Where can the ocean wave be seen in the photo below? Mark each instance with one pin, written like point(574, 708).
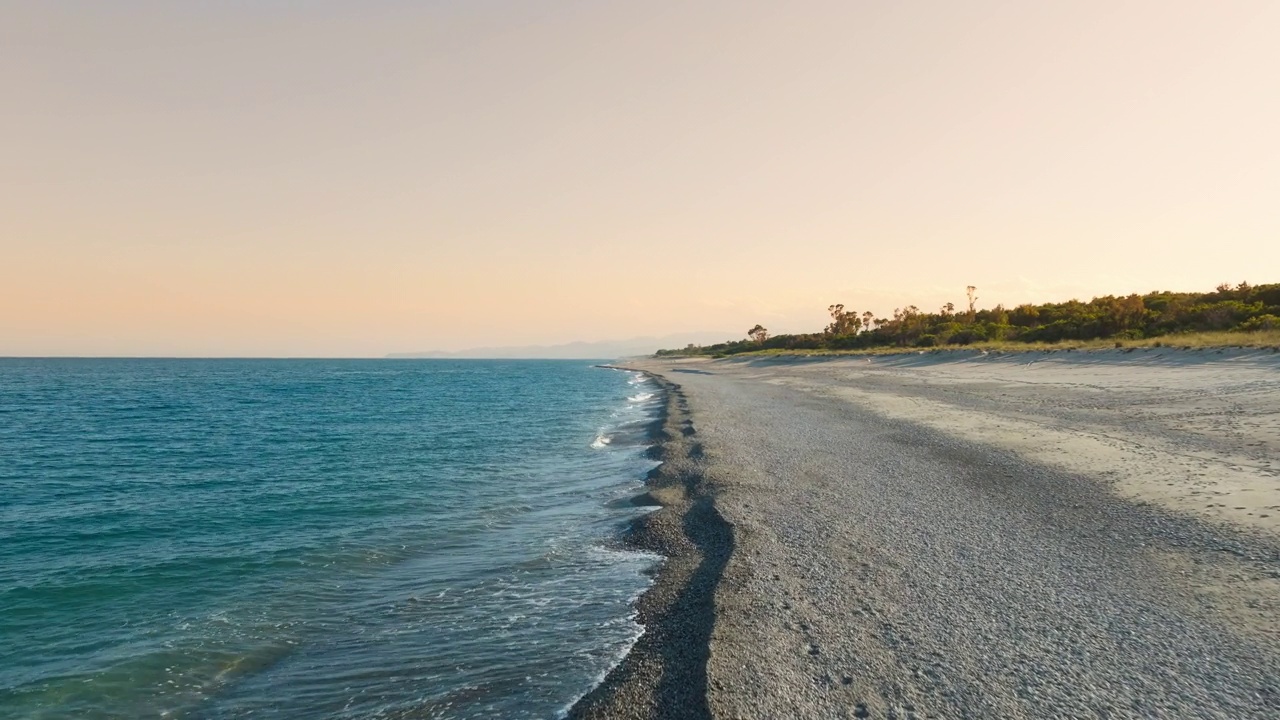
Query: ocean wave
point(614, 660)
point(602, 441)
point(640, 397)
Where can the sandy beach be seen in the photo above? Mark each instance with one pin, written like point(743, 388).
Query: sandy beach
point(957, 534)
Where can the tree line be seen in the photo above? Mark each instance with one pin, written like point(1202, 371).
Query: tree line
point(1242, 307)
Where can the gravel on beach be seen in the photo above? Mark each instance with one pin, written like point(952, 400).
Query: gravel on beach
point(828, 560)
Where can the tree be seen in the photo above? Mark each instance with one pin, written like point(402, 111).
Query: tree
point(842, 322)
point(836, 312)
point(1240, 307)
point(1127, 313)
point(907, 324)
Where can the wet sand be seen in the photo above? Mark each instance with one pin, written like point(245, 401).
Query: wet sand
point(962, 535)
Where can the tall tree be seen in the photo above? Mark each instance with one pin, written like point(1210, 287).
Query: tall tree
point(843, 322)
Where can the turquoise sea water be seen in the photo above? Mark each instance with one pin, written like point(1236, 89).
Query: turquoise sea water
point(314, 539)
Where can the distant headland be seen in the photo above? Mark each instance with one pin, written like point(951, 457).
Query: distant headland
point(604, 349)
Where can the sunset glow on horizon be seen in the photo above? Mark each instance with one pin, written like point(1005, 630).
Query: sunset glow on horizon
point(325, 179)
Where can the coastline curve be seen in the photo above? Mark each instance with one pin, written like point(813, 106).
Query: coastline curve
point(665, 673)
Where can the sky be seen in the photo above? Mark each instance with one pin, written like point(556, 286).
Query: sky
point(270, 178)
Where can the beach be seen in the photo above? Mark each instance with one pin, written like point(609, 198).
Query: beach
point(962, 534)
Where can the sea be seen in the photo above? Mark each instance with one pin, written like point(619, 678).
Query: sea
point(217, 539)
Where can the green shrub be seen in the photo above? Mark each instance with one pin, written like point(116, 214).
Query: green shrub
point(1242, 307)
point(1262, 322)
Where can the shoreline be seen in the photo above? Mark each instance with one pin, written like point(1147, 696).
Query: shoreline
point(664, 673)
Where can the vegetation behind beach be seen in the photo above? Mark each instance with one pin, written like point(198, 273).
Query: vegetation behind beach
point(1242, 315)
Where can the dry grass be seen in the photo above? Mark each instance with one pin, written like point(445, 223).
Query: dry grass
point(1259, 339)
point(1256, 339)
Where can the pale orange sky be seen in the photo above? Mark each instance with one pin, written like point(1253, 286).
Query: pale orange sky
point(352, 179)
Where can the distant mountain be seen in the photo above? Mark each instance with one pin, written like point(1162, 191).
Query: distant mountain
point(602, 350)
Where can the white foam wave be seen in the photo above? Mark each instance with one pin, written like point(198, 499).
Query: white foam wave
point(640, 397)
point(601, 441)
point(631, 621)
